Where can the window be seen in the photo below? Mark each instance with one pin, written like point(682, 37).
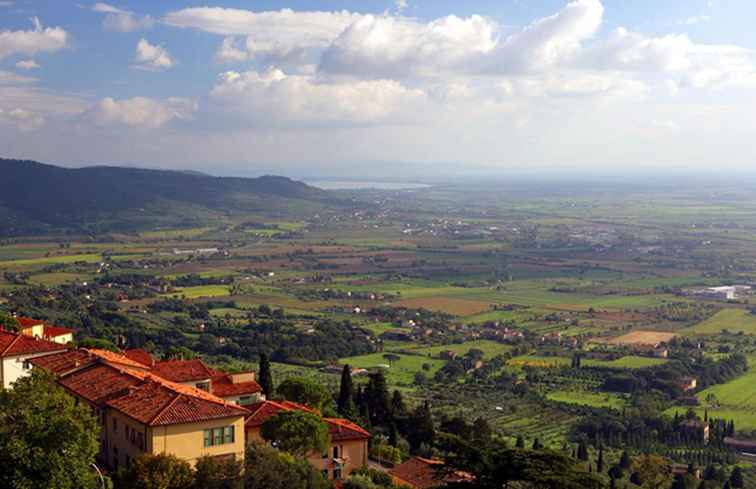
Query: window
point(140, 440)
point(126, 432)
point(218, 436)
point(205, 386)
point(337, 473)
point(115, 425)
point(335, 452)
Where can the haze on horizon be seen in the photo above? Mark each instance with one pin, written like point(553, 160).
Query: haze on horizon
point(381, 89)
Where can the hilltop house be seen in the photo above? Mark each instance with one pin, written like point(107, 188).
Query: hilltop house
point(424, 473)
point(141, 412)
point(38, 329)
point(16, 350)
point(348, 449)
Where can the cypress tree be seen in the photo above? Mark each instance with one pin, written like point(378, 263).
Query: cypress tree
point(345, 405)
point(537, 445)
point(600, 461)
point(265, 377)
point(582, 452)
point(625, 462)
point(398, 408)
point(520, 443)
point(736, 478)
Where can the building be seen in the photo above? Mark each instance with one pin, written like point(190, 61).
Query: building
point(723, 293)
point(348, 448)
point(16, 350)
point(424, 473)
point(696, 429)
point(38, 329)
point(141, 412)
point(743, 446)
point(687, 383)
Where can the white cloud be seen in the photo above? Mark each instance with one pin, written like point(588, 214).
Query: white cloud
point(696, 19)
point(22, 119)
point(140, 112)
point(10, 78)
point(274, 35)
point(152, 57)
point(401, 5)
point(40, 39)
point(274, 97)
point(27, 64)
point(120, 20)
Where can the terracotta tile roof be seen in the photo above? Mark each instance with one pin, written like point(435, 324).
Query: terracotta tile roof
point(60, 363)
point(141, 356)
point(116, 358)
point(224, 386)
point(339, 429)
point(342, 429)
point(16, 344)
point(28, 322)
point(99, 382)
point(420, 473)
point(55, 331)
point(183, 370)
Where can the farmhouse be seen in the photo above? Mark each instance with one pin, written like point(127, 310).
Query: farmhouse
point(724, 293)
point(38, 329)
point(424, 473)
point(346, 452)
point(16, 350)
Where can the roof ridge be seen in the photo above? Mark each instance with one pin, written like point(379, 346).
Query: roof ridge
point(173, 401)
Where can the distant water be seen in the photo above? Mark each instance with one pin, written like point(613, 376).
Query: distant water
point(357, 185)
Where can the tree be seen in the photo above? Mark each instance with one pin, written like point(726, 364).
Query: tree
point(537, 445)
point(653, 471)
point(420, 428)
point(156, 472)
point(265, 377)
point(376, 397)
point(46, 439)
point(625, 463)
point(345, 405)
point(391, 358)
point(218, 474)
point(268, 468)
point(615, 473)
point(481, 430)
point(582, 451)
point(600, 461)
point(297, 432)
point(736, 478)
point(398, 408)
point(304, 391)
point(8, 322)
point(520, 443)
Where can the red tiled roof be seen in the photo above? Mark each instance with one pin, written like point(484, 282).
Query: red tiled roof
point(117, 358)
point(183, 370)
point(60, 363)
point(342, 429)
point(99, 382)
point(16, 344)
point(421, 473)
point(55, 331)
point(28, 322)
point(339, 429)
point(141, 356)
point(224, 386)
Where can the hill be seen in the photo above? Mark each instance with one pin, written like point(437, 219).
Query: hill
point(36, 197)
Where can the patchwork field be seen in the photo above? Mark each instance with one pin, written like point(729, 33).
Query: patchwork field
point(587, 398)
point(628, 362)
point(450, 305)
point(642, 338)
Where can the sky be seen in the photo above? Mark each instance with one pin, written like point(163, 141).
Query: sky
point(391, 89)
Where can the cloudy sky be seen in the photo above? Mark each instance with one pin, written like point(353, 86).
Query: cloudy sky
point(381, 88)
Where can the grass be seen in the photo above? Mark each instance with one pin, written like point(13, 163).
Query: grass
point(400, 372)
point(489, 348)
point(202, 291)
point(586, 398)
point(733, 320)
point(735, 400)
point(51, 260)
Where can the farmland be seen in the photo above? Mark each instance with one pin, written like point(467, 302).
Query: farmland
point(531, 311)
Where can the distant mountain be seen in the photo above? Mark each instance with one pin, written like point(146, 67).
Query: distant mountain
point(36, 197)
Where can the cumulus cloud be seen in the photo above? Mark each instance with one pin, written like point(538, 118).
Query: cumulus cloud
point(38, 40)
point(152, 57)
point(275, 35)
point(27, 64)
point(696, 19)
point(140, 112)
point(120, 20)
point(273, 97)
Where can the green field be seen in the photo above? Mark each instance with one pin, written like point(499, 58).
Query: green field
point(736, 400)
point(489, 348)
point(202, 291)
point(51, 260)
point(627, 362)
point(732, 320)
point(587, 398)
point(402, 371)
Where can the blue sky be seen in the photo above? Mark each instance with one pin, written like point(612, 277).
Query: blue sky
point(373, 88)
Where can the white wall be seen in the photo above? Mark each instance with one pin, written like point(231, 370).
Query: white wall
point(13, 367)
